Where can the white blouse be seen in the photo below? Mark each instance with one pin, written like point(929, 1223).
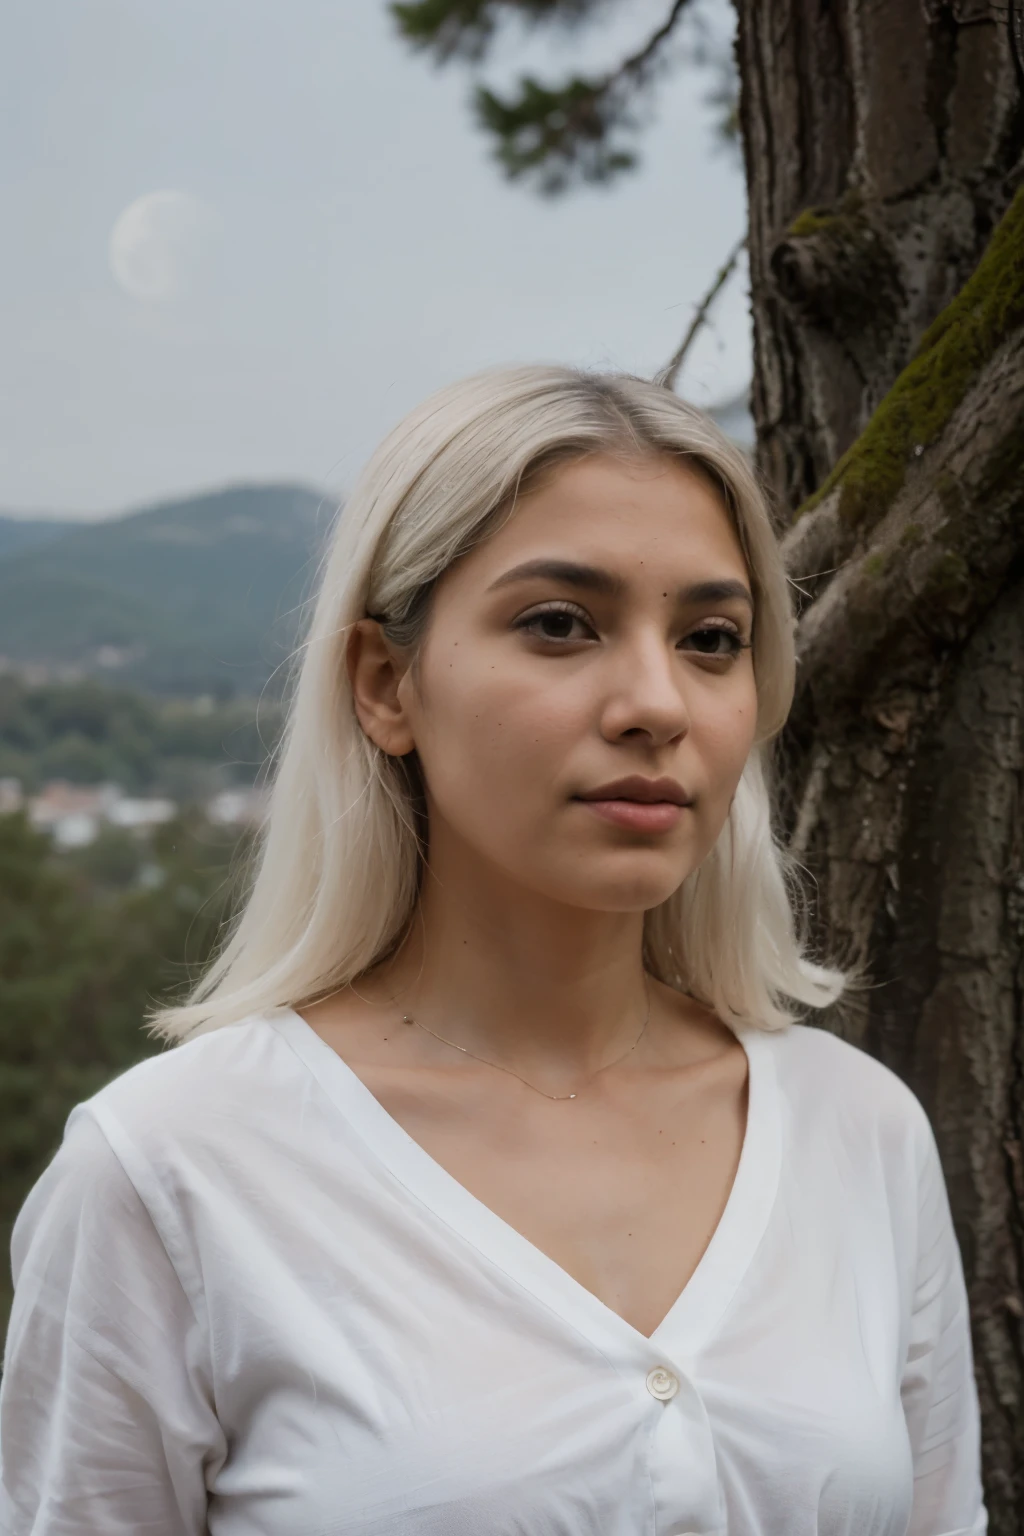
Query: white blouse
point(248, 1303)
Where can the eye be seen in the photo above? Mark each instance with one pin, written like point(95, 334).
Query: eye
point(716, 641)
point(555, 622)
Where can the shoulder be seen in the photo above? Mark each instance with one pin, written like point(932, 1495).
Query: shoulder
point(217, 1073)
point(828, 1082)
point(810, 1056)
point(147, 1149)
point(854, 1130)
point(160, 1127)
point(187, 1104)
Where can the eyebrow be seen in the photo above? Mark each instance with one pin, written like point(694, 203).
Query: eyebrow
point(591, 578)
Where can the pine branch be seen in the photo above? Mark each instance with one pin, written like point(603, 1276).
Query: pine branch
point(670, 372)
point(568, 132)
point(464, 28)
point(639, 61)
point(572, 130)
point(557, 134)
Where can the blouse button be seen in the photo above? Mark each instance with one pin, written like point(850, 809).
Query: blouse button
point(662, 1384)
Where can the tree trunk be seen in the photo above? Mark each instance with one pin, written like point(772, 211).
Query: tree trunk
point(883, 142)
point(881, 137)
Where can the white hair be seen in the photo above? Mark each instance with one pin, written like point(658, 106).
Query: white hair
point(335, 877)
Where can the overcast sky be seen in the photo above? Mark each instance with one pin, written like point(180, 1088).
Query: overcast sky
point(337, 245)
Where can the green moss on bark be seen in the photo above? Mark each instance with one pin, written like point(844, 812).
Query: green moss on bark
point(951, 353)
point(834, 266)
point(839, 223)
point(814, 221)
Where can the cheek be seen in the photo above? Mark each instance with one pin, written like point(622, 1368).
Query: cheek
point(490, 736)
point(726, 735)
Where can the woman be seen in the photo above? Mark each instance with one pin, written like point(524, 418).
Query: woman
point(492, 1187)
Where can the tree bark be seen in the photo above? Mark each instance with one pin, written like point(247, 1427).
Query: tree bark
point(881, 139)
point(883, 142)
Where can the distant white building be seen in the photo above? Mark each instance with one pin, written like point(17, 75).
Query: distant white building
point(77, 829)
point(140, 813)
point(73, 813)
point(237, 807)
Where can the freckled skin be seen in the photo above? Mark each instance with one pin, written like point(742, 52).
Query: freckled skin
point(526, 945)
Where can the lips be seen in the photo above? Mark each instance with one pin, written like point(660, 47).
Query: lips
point(637, 804)
point(641, 791)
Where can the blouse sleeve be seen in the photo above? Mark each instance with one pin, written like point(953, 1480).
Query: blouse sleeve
point(940, 1399)
point(106, 1417)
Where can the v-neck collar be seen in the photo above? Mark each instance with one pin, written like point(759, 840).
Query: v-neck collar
point(691, 1320)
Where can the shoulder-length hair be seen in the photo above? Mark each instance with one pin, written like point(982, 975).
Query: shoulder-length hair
point(335, 876)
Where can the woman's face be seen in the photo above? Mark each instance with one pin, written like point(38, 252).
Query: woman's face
point(601, 634)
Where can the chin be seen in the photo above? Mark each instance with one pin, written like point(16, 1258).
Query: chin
point(633, 900)
point(621, 891)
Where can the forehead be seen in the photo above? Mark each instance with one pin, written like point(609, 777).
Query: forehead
point(655, 510)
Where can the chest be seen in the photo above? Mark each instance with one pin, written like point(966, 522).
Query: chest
point(438, 1378)
point(392, 1356)
point(623, 1192)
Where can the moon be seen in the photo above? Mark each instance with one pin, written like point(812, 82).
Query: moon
point(159, 246)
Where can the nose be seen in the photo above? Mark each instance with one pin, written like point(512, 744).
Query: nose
point(645, 692)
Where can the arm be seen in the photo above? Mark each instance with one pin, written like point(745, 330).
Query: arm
point(938, 1390)
point(107, 1426)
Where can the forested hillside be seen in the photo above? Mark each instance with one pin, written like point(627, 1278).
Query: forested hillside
point(188, 597)
point(18, 534)
point(92, 934)
point(90, 734)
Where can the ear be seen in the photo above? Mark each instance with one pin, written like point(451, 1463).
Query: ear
point(375, 672)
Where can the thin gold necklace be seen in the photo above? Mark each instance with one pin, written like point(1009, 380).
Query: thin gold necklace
point(557, 1097)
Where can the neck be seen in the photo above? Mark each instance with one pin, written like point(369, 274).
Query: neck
point(509, 975)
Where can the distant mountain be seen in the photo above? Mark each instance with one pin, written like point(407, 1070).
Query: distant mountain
point(188, 597)
point(19, 533)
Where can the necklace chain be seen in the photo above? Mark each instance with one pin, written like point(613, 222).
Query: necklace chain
point(557, 1097)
